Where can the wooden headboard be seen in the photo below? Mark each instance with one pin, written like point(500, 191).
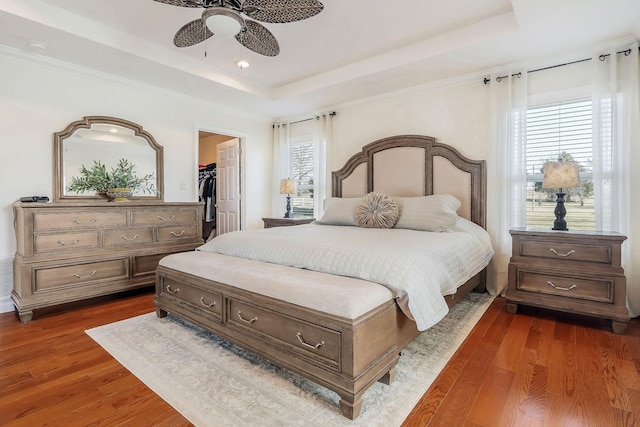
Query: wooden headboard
point(415, 165)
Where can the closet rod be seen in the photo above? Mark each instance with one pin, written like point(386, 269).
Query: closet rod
point(331, 114)
point(602, 57)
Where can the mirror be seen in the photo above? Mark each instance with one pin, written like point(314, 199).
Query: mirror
point(107, 140)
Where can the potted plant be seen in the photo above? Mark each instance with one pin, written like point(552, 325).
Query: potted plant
point(118, 183)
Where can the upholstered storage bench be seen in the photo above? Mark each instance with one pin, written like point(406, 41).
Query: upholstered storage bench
point(336, 331)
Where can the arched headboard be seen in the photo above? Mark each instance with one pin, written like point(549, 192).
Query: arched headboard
point(415, 165)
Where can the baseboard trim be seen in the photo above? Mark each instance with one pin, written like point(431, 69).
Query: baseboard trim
point(6, 305)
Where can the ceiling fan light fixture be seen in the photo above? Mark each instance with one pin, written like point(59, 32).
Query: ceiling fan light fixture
point(222, 22)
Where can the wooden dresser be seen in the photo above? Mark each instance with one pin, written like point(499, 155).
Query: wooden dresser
point(570, 271)
point(73, 251)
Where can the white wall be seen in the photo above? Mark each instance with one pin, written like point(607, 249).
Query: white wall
point(458, 116)
point(38, 99)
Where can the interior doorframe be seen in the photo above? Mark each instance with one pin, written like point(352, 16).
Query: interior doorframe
point(242, 176)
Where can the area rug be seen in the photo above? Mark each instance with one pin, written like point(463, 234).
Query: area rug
point(212, 382)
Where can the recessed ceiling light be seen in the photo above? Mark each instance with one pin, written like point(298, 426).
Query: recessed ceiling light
point(242, 64)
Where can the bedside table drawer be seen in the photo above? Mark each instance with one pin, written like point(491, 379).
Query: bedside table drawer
point(593, 289)
point(577, 272)
point(599, 253)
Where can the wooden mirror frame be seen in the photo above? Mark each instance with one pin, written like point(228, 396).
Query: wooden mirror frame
point(86, 123)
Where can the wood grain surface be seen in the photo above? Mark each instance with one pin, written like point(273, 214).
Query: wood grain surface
point(535, 368)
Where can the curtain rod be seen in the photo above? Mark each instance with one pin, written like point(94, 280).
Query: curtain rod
point(602, 57)
point(330, 114)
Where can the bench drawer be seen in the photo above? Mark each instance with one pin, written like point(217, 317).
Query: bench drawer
point(306, 339)
point(206, 301)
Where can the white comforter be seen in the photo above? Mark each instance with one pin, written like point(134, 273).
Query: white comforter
point(423, 265)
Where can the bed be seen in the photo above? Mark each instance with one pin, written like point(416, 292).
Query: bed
point(338, 299)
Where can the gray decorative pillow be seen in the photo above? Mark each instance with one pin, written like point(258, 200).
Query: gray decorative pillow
point(376, 210)
point(339, 211)
point(428, 213)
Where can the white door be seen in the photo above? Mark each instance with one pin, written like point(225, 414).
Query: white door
point(228, 187)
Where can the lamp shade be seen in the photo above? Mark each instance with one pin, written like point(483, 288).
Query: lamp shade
point(287, 186)
point(561, 175)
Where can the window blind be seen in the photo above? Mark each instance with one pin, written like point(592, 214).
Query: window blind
point(560, 130)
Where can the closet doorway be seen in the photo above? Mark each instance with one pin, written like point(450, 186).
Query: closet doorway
point(219, 182)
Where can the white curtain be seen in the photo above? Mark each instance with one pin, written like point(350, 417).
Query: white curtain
point(322, 130)
point(323, 134)
point(615, 130)
point(280, 166)
point(506, 175)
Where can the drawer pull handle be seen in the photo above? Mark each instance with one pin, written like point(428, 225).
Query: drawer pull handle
point(560, 288)
point(62, 242)
point(567, 254)
point(315, 347)
point(77, 276)
point(253, 319)
point(171, 291)
point(205, 304)
point(161, 218)
point(177, 234)
point(77, 221)
point(135, 236)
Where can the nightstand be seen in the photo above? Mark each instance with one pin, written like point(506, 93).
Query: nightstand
point(570, 271)
point(284, 222)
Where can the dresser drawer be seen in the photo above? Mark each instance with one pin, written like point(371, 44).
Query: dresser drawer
point(146, 264)
point(209, 302)
point(164, 216)
point(128, 236)
point(66, 241)
point(176, 232)
point(306, 339)
point(598, 253)
point(78, 219)
point(81, 274)
point(591, 289)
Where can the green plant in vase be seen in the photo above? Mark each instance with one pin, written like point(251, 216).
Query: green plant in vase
point(118, 183)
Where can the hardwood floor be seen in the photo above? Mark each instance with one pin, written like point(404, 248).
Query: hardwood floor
point(535, 368)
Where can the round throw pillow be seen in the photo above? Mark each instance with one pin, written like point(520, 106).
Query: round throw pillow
point(376, 210)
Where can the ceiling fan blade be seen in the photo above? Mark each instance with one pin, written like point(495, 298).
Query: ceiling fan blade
point(185, 3)
point(192, 33)
point(258, 39)
point(281, 11)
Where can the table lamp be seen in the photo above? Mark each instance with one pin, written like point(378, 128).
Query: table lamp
point(561, 175)
point(288, 187)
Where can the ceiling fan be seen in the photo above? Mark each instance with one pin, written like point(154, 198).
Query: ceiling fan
point(225, 17)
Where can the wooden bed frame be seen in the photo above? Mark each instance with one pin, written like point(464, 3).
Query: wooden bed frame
point(346, 355)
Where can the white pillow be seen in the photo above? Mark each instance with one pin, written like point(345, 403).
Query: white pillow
point(339, 211)
point(428, 213)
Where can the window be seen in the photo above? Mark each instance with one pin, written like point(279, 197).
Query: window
point(560, 130)
point(303, 156)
